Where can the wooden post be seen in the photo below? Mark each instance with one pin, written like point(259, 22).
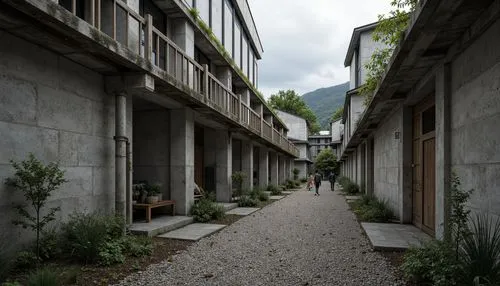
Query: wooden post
point(205, 82)
point(148, 34)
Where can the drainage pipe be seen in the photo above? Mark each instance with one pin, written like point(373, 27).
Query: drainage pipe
point(120, 154)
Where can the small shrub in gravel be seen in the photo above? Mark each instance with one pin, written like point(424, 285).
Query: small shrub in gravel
point(259, 194)
point(371, 209)
point(351, 188)
point(205, 210)
point(43, 277)
point(289, 184)
point(275, 191)
point(247, 201)
point(137, 246)
point(111, 253)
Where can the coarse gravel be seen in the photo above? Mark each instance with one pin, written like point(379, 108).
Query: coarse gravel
point(299, 240)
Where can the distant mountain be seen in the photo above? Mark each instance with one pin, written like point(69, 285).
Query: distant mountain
point(325, 101)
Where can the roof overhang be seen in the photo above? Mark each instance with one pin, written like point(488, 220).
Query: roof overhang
point(354, 44)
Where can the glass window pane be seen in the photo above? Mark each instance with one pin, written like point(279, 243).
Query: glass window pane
point(428, 120)
point(251, 66)
point(217, 18)
point(244, 55)
point(204, 8)
point(237, 42)
point(228, 28)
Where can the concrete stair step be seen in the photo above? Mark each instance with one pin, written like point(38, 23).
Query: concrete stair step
point(229, 206)
point(193, 232)
point(160, 225)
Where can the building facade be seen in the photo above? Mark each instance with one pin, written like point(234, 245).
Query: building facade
point(319, 142)
point(337, 132)
point(434, 115)
point(124, 91)
point(298, 135)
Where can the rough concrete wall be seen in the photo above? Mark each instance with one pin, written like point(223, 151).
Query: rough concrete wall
point(352, 72)
point(59, 111)
point(356, 109)
point(367, 47)
point(152, 148)
point(336, 130)
point(297, 126)
point(303, 150)
point(475, 113)
point(387, 163)
point(302, 167)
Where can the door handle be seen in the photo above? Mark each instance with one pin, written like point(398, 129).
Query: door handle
point(413, 165)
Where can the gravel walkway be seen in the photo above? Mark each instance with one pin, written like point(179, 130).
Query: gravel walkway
point(300, 240)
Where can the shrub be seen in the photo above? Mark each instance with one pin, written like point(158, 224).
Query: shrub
point(296, 173)
point(351, 188)
point(343, 181)
point(6, 263)
point(137, 246)
point(258, 194)
point(289, 184)
point(480, 251)
point(205, 210)
point(49, 245)
point(433, 263)
point(371, 209)
point(111, 253)
point(247, 201)
point(10, 283)
point(303, 180)
point(263, 197)
point(296, 183)
point(211, 196)
point(238, 178)
point(43, 277)
point(26, 259)
point(84, 234)
point(275, 191)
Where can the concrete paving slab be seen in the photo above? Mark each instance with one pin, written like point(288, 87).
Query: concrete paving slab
point(160, 225)
point(275, 198)
point(287, 193)
point(229, 206)
point(352, 198)
point(193, 232)
point(242, 211)
point(393, 237)
point(268, 193)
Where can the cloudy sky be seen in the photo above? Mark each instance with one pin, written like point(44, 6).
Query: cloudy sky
point(305, 42)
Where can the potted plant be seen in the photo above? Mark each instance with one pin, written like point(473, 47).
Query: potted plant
point(153, 191)
point(139, 193)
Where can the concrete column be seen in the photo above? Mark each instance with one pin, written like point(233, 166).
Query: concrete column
point(443, 149)
point(247, 164)
point(224, 75)
point(369, 166)
point(263, 167)
point(281, 170)
point(224, 165)
point(182, 159)
point(406, 201)
point(274, 168)
point(183, 35)
point(120, 154)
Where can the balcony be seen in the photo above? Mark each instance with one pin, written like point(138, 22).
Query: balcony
point(127, 34)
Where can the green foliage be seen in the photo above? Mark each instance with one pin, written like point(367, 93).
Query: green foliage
point(258, 194)
point(10, 283)
point(137, 246)
point(351, 188)
point(205, 210)
point(275, 191)
point(371, 209)
point(211, 196)
point(37, 182)
point(296, 173)
point(480, 251)
point(326, 161)
point(247, 201)
point(153, 190)
point(343, 181)
point(303, 180)
point(338, 113)
point(389, 32)
point(49, 244)
point(459, 213)
point(26, 259)
point(289, 101)
point(289, 184)
point(84, 234)
point(432, 264)
point(43, 277)
point(238, 178)
point(110, 252)
point(324, 100)
point(6, 261)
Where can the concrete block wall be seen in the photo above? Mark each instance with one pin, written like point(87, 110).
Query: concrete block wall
point(151, 148)
point(302, 167)
point(387, 161)
point(367, 47)
point(475, 114)
point(57, 110)
point(297, 126)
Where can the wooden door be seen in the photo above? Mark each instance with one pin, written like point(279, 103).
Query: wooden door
point(424, 166)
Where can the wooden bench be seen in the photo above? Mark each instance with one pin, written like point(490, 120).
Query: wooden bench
point(159, 204)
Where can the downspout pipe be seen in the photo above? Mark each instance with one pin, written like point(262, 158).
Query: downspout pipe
point(120, 154)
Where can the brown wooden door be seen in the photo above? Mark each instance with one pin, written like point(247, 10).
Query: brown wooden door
point(424, 166)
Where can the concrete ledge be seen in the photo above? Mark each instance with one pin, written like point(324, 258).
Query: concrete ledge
point(160, 225)
point(229, 206)
point(394, 237)
point(193, 232)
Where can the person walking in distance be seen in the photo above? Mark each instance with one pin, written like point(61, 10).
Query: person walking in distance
point(317, 182)
point(331, 178)
point(310, 182)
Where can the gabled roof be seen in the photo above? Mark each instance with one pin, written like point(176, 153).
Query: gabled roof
point(354, 44)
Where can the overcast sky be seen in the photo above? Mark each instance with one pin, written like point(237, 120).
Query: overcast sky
point(305, 41)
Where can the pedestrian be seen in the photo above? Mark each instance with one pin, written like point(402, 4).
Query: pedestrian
point(331, 178)
point(310, 182)
point(317, 182)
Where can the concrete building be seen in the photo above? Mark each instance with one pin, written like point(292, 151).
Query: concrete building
point(298, 136)
point(319, 142)
point(123, 91)
point(337, 133)
point(435, 111)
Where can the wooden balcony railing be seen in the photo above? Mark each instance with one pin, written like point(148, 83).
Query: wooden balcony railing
point(138, 34)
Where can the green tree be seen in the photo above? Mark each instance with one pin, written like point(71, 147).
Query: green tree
point(289, 101)
point(37, 182)
point(389, 32)
point(338, 113)
point(326, 161)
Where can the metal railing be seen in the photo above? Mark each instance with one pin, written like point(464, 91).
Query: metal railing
point(137, 33)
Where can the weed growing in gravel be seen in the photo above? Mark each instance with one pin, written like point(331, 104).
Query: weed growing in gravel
point(371, 209)
point(205, 210)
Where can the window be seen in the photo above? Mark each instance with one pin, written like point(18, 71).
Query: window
point(228, 27)
point(251, 58)
point(237, 42)
point(204, 8)
point(428, 120)
point(244, 55)
point(216, 20)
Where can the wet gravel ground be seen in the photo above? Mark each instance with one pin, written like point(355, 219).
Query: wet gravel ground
point(300, 240)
